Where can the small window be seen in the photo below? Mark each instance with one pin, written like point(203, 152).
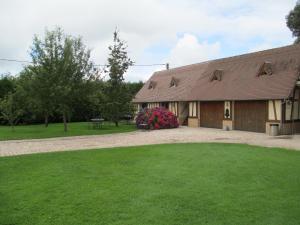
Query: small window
point(174, 82)
point(152, 85)
point(217, 75)
point(265, 69)
point(192, 109)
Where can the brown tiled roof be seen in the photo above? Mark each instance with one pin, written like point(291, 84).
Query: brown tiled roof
point(240, 80)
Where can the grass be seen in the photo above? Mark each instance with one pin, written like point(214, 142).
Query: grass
point(56, 130)
point(162, 184)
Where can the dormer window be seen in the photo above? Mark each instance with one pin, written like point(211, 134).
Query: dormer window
point(152, 85)
point(174, 82)
point(265, 69)
point(217, 75)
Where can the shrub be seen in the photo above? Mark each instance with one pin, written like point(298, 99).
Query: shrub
point(156, 118)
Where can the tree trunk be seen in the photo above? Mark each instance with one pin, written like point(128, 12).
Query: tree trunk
point(46, 120)
point(117, 123)
point(65, 122)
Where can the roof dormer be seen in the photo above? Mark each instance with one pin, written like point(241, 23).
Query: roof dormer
point(265, 69)
point(217, 75)
point(174, 82)
point(152, 85)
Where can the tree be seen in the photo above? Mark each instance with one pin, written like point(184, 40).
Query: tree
point(38, 82)
point(293, 21)
point(118, 102)
point(29, 97)
point(91, 104)
point(61, 69)
point(134, 87)
point(10, 110)
point(7, 85)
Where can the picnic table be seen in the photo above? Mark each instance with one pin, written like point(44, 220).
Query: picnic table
point(97, 123)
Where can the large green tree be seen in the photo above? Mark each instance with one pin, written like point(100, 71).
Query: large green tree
point(62, 68)
point(293, 22)
point(118, 102)
point(7, 85)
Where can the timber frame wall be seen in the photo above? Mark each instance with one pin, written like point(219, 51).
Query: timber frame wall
point(276, 113)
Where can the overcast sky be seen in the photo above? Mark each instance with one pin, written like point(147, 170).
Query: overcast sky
point(157, 31)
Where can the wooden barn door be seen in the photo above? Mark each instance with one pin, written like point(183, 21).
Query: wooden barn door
point(211, 114)
point(250, 116)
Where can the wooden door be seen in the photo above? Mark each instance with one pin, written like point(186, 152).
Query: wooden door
point(211, 114)
point(250, 116)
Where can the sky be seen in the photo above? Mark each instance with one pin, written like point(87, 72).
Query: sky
point(156, 31)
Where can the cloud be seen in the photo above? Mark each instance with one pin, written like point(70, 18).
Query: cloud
point(145, 24)
point(189, 50)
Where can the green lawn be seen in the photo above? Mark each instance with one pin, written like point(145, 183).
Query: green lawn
point(57, 130)
point(153, 185)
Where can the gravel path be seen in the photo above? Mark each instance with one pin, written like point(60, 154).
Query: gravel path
point(180, 135)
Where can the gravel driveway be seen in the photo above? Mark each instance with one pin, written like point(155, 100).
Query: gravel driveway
point(180, 135)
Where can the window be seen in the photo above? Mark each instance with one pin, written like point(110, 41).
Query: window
point(265, 69)
point(192, 109)
point(227, 110)
point(152, 85)
point(174, 82)
point(217, 75)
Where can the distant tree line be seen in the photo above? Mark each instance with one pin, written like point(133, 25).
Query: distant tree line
point(63, 84)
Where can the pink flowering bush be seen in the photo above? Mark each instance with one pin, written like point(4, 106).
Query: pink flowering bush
point(156, 118)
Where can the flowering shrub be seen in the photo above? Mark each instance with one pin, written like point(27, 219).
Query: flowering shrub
point(156, 118)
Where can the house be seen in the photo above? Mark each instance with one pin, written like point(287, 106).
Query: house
point(248, 92)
